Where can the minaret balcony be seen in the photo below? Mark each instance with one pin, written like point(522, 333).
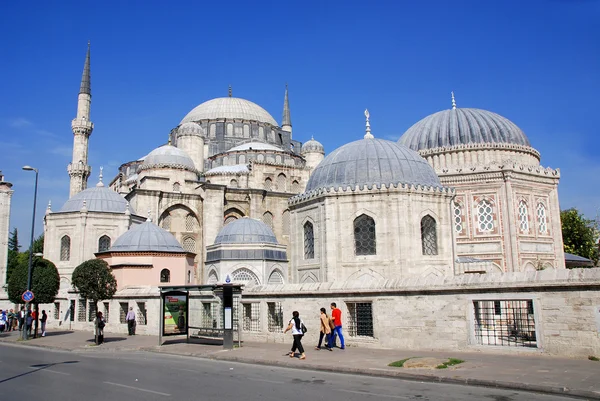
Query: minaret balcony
point(82, 125)
point(79, 169)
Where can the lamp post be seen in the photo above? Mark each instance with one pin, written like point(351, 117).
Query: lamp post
point(29, 168)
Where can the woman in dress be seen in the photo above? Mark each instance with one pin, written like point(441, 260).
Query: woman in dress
point(296, 325)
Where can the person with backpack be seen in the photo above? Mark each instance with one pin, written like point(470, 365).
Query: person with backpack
point(99, 324)
point(298, 329)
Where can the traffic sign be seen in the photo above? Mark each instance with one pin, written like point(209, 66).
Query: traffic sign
point(27, 296)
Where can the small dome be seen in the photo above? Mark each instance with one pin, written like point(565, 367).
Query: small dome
point(229, 108)
point(460, 126)
point(312, 146)
point(168, 156)
point(147, 237)
point(97, 199)
point(189, 128)
point(246, 231)
point(372, 162)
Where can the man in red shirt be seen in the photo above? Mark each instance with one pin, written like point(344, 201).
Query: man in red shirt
point(336, 316)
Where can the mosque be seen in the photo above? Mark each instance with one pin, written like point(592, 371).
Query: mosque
point(233, 196)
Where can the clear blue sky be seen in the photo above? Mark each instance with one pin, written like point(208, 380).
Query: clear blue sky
point(536, 62)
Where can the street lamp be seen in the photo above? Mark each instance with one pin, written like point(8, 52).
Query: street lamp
point(29, 168)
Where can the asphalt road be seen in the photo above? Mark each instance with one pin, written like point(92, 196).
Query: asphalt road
point(28, 373)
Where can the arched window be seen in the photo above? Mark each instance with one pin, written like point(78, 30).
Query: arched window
point(166, 222)
point(295, 187)
point(485, 216)
point(281, 179)
point(229, 219)
point(104, 243)
point(165, 276)
point(245, 276)
point(268, 184)
point(65, 248)
point(458, 223)
point(542, 219)
point(213, 278)
point(189, 244)
point(268, 219)
point(276, 278)
point(364, 235)
point(309, 241)
point(523, 217)
point(176, 187)
point(190, 223)
point(428, 236)
point(285, 222)
point(233, 184)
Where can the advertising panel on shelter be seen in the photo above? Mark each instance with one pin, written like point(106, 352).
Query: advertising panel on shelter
point(175, 313)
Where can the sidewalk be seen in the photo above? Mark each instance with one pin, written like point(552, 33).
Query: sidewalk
point(521, 371)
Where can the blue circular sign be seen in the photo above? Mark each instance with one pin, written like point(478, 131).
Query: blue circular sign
point(27, 296)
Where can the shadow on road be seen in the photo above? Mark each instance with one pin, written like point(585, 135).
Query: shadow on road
point(108, 339)
point(37, 368)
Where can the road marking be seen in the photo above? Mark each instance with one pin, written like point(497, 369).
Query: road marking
point(185, 370)
point(138, 389)
point(49, 371)
point(263, 380)
point(374, 394)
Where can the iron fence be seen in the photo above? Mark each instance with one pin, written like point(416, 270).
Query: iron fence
point(508, 323)
point(360, 319)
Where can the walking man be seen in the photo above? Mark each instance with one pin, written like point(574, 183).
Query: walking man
point(336, 316)
point(130, 318)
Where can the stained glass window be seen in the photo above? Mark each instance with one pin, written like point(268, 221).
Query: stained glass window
point(429, 236)
point(364, 235)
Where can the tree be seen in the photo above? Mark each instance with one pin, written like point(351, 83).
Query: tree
point(45, 281)
point(13, 253)
point(13, 241)
point(94, 281)
point(38, 244)
point(579, 234)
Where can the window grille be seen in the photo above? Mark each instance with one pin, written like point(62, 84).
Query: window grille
point(190, 223)
point(72, 311)
point(360, 319)
point(57, 311)
point(91, 312)
point(81, 311)
point(268, 184)
point(485, 216)
point(176, 187)
point(458, 223)
point(189, 244)
point(364, 235)
point(65, 248)
point(166, 222)
point(309, 241)
point(251, 317)
point(233, 184)
point(276, 278)
point(209, 313)
point(523, 217)
point(429, 236)
point(142, 315)
point(285, 222)
point(281, 179)
point(213, 278)
point(508, 323)
point(106, 311)
point(123, 309)
point(275, 323)
point(104, 243)
point(295, 187)
point(268, 219)
point(542, 221)
point(244, 275)
point(165, 276)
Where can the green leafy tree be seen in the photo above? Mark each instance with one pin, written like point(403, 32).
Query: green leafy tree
point(579, 234)
point(38, 244)
point(94, 281)
point(13, 253)
point(13, 241)
point(45, 281)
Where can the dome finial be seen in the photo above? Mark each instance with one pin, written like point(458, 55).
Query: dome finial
point(453, 101)
point(100, 183)
point(368, 135)
point(230, 91)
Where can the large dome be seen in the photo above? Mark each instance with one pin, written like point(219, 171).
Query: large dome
point(146, 237)
point(229, 108)
point(372, 162)
point(97, 199)
point(459, 126)
point(246, 231)
point(168, 156)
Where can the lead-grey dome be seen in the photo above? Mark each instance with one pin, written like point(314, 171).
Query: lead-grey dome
point(97, 199)
point(147, 237)
point(372, 162)
point(230, 108)
point(460, 126)
point(246, 231)
point(189, 128)
point(168, 156)
point(312, 146)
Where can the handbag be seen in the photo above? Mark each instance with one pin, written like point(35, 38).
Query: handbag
point(303, 328)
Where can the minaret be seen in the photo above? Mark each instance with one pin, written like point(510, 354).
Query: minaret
point(82, 127)
point(5, 196)
point(286, 121)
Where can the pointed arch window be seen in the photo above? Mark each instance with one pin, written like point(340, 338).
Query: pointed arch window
point(276, 278)
point(281, 180)
point(285, 222)
point(458, 222)
point(176, 187)
point(189, 244)
point(166, 222)
point(104, 243)
point(233, 184)
point(309, 241)
point(229, 219)
point(523, 217)
point(190, 223)
point(165, 276)
point(213, 278)
point(65, 248)
point(268, 219)
point(295, 187)
point(364, 236)
point(485, 216)
point(268, 184)
point(244, 275)
point(542, 218)
point(429, 236)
